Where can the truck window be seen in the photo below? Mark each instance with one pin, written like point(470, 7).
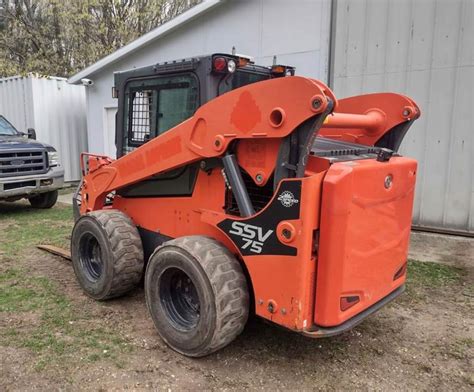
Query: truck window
point(6, 129)
point(154, 106)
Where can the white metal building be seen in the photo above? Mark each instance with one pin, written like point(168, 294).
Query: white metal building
point(55, 109)
point(421, 48)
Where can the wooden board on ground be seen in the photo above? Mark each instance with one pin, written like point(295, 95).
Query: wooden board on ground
point(65, 253)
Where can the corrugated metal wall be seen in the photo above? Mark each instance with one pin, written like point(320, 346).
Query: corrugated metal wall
point(60, 120)
point(423, 49)
point(16, 102)
point(57, 111)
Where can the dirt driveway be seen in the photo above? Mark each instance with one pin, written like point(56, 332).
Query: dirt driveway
point(54, 338)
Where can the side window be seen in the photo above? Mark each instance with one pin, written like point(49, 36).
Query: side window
point(154, 106)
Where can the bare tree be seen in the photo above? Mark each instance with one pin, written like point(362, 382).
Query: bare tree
point(57, 37)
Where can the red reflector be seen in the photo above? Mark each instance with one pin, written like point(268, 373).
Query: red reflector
point(400, 272)
point(220, 64)
point(348, 302)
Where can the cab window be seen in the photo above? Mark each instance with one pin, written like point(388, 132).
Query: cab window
point(241, 78)
point(154, 106)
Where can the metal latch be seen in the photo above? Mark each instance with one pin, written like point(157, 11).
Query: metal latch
point(384, 155)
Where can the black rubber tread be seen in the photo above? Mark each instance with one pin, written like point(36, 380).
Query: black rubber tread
point(125, 251)
point(229, 287)
point(44, 200)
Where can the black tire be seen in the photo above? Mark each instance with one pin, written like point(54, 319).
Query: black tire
point(44, 200)
point(107, 254)
point(197, 295)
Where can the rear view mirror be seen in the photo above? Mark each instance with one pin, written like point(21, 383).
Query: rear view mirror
point(31, 133)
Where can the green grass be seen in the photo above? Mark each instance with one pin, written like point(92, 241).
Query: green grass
point(21, 293)
point(59, 331)
point(460, 347)
point(429, 274)
point(24, 227)
point(423, 276)
point(56, 330)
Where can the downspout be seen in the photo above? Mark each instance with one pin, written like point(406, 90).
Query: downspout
point(332, 43)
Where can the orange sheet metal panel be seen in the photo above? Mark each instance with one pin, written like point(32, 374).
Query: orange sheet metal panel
point(287, 282)
point(365, 228)
point(283, 286)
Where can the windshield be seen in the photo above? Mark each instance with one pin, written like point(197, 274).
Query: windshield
point(6, 129)
point(241, 78)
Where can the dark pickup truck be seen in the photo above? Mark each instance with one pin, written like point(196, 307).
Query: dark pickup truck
point(28, 168)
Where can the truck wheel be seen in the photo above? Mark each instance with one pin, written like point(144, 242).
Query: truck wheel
point(197, 295)
point(107, 254)
point(44, 200)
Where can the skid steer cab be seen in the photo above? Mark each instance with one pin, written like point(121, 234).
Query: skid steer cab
point(240, 188)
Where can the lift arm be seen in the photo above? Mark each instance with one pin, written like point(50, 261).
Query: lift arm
point(372, 119)
point(270, 109)
point(274, 109)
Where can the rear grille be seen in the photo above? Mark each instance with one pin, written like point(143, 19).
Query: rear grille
point(22, 162)
point(259, 195)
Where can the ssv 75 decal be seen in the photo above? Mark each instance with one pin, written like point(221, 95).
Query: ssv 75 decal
point(252, 236)
point(257, 235)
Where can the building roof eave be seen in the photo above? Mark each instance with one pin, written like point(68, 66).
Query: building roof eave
point(152, 35)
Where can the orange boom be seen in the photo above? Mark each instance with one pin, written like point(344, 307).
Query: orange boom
point(245, 188)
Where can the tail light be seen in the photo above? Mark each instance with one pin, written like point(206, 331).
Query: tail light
point(219, 64)
point(223, 65)
point(349, 302)
point(401, 271)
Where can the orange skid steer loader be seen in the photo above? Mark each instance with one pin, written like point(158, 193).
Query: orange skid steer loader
point(244, 188)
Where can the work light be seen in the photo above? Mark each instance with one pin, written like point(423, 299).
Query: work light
point(231, 66)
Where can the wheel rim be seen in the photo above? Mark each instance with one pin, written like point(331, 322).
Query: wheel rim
point(179, 298)
point(91, 257)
